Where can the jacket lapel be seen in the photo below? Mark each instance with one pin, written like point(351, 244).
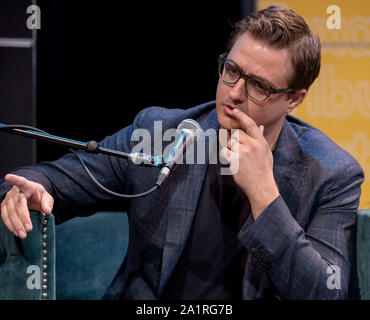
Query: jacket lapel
point(290, 167)
point(180, 217)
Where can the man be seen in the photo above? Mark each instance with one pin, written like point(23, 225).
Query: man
point(272, 230)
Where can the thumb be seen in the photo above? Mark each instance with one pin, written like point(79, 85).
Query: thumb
point(262, 128)
point(47, 203)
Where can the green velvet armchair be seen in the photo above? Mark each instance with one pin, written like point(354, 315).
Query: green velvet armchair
point(79, 258)
point(74, 260)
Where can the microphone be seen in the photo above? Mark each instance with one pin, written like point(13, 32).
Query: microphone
point(187, 132)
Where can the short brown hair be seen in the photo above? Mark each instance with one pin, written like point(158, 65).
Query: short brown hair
point(282, 28)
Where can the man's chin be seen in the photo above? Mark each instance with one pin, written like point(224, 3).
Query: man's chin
point(228, 123)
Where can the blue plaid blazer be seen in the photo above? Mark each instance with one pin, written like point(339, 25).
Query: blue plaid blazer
point(291, 246)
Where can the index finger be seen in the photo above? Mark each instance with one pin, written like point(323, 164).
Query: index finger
point(247, 124)
point(22, 183)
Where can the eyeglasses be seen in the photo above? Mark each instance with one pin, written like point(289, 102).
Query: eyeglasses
point(230, 74)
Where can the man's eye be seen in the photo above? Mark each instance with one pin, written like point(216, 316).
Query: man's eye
point(260, 86)
point(232, 70)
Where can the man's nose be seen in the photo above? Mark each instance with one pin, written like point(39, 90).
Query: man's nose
point(237, 91)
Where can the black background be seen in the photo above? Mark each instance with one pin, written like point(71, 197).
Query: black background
point(17, 86)
point(100, 62)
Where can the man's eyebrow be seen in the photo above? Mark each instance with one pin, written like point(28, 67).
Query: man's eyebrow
point(253, 75)
point(261, 79)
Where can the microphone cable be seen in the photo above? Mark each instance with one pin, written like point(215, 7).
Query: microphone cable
point(106, 189)
point(96, 182)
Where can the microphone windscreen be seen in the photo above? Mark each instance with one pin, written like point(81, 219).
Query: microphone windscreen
point(188, 124)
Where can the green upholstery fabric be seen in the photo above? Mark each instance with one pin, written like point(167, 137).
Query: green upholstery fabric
point(363, 253)
point(21, 264)
point(80, 264)
point(89, 252)
point(84, 254)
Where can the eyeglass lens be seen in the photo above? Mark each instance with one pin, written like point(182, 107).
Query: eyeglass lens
point(230, 74)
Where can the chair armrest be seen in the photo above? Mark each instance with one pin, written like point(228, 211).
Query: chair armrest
point(27, 266)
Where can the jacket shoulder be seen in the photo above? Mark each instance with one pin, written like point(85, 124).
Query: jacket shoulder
point(171, 117)
point(319, 147)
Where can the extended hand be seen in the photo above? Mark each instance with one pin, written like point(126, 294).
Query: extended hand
point(25, 195)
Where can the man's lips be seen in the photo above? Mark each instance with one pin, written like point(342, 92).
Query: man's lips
point(229, 109)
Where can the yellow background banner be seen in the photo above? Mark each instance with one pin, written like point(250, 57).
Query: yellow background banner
point(338, 103)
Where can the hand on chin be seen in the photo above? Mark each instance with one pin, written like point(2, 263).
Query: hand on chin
point(229, 123)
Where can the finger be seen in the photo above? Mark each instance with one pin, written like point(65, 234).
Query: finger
point(228, 135)
point(23, 212)
point(228, 155)
point(15, 220)
point(240, 136)
point(225, 153)
point(6, 220)
point(234, 144)
point(229, 143)
point(262, 129)
point(47, 203)
point(22, 183)
point(223, 135)
point(237, 136)
point(247, 124)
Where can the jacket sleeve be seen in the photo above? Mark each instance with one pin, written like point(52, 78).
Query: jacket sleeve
point(314, 262)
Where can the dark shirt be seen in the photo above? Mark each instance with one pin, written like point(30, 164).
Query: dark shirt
point(211, 265)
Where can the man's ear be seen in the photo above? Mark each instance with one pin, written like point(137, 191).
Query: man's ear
point(296, 99)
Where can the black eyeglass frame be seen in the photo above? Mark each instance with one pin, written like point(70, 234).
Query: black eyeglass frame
point(272, 90)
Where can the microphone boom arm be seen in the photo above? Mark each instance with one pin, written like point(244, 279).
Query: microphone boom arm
point(91, 146)
point(185, 138)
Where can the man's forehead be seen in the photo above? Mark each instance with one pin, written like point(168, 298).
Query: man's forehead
point(257, 58)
